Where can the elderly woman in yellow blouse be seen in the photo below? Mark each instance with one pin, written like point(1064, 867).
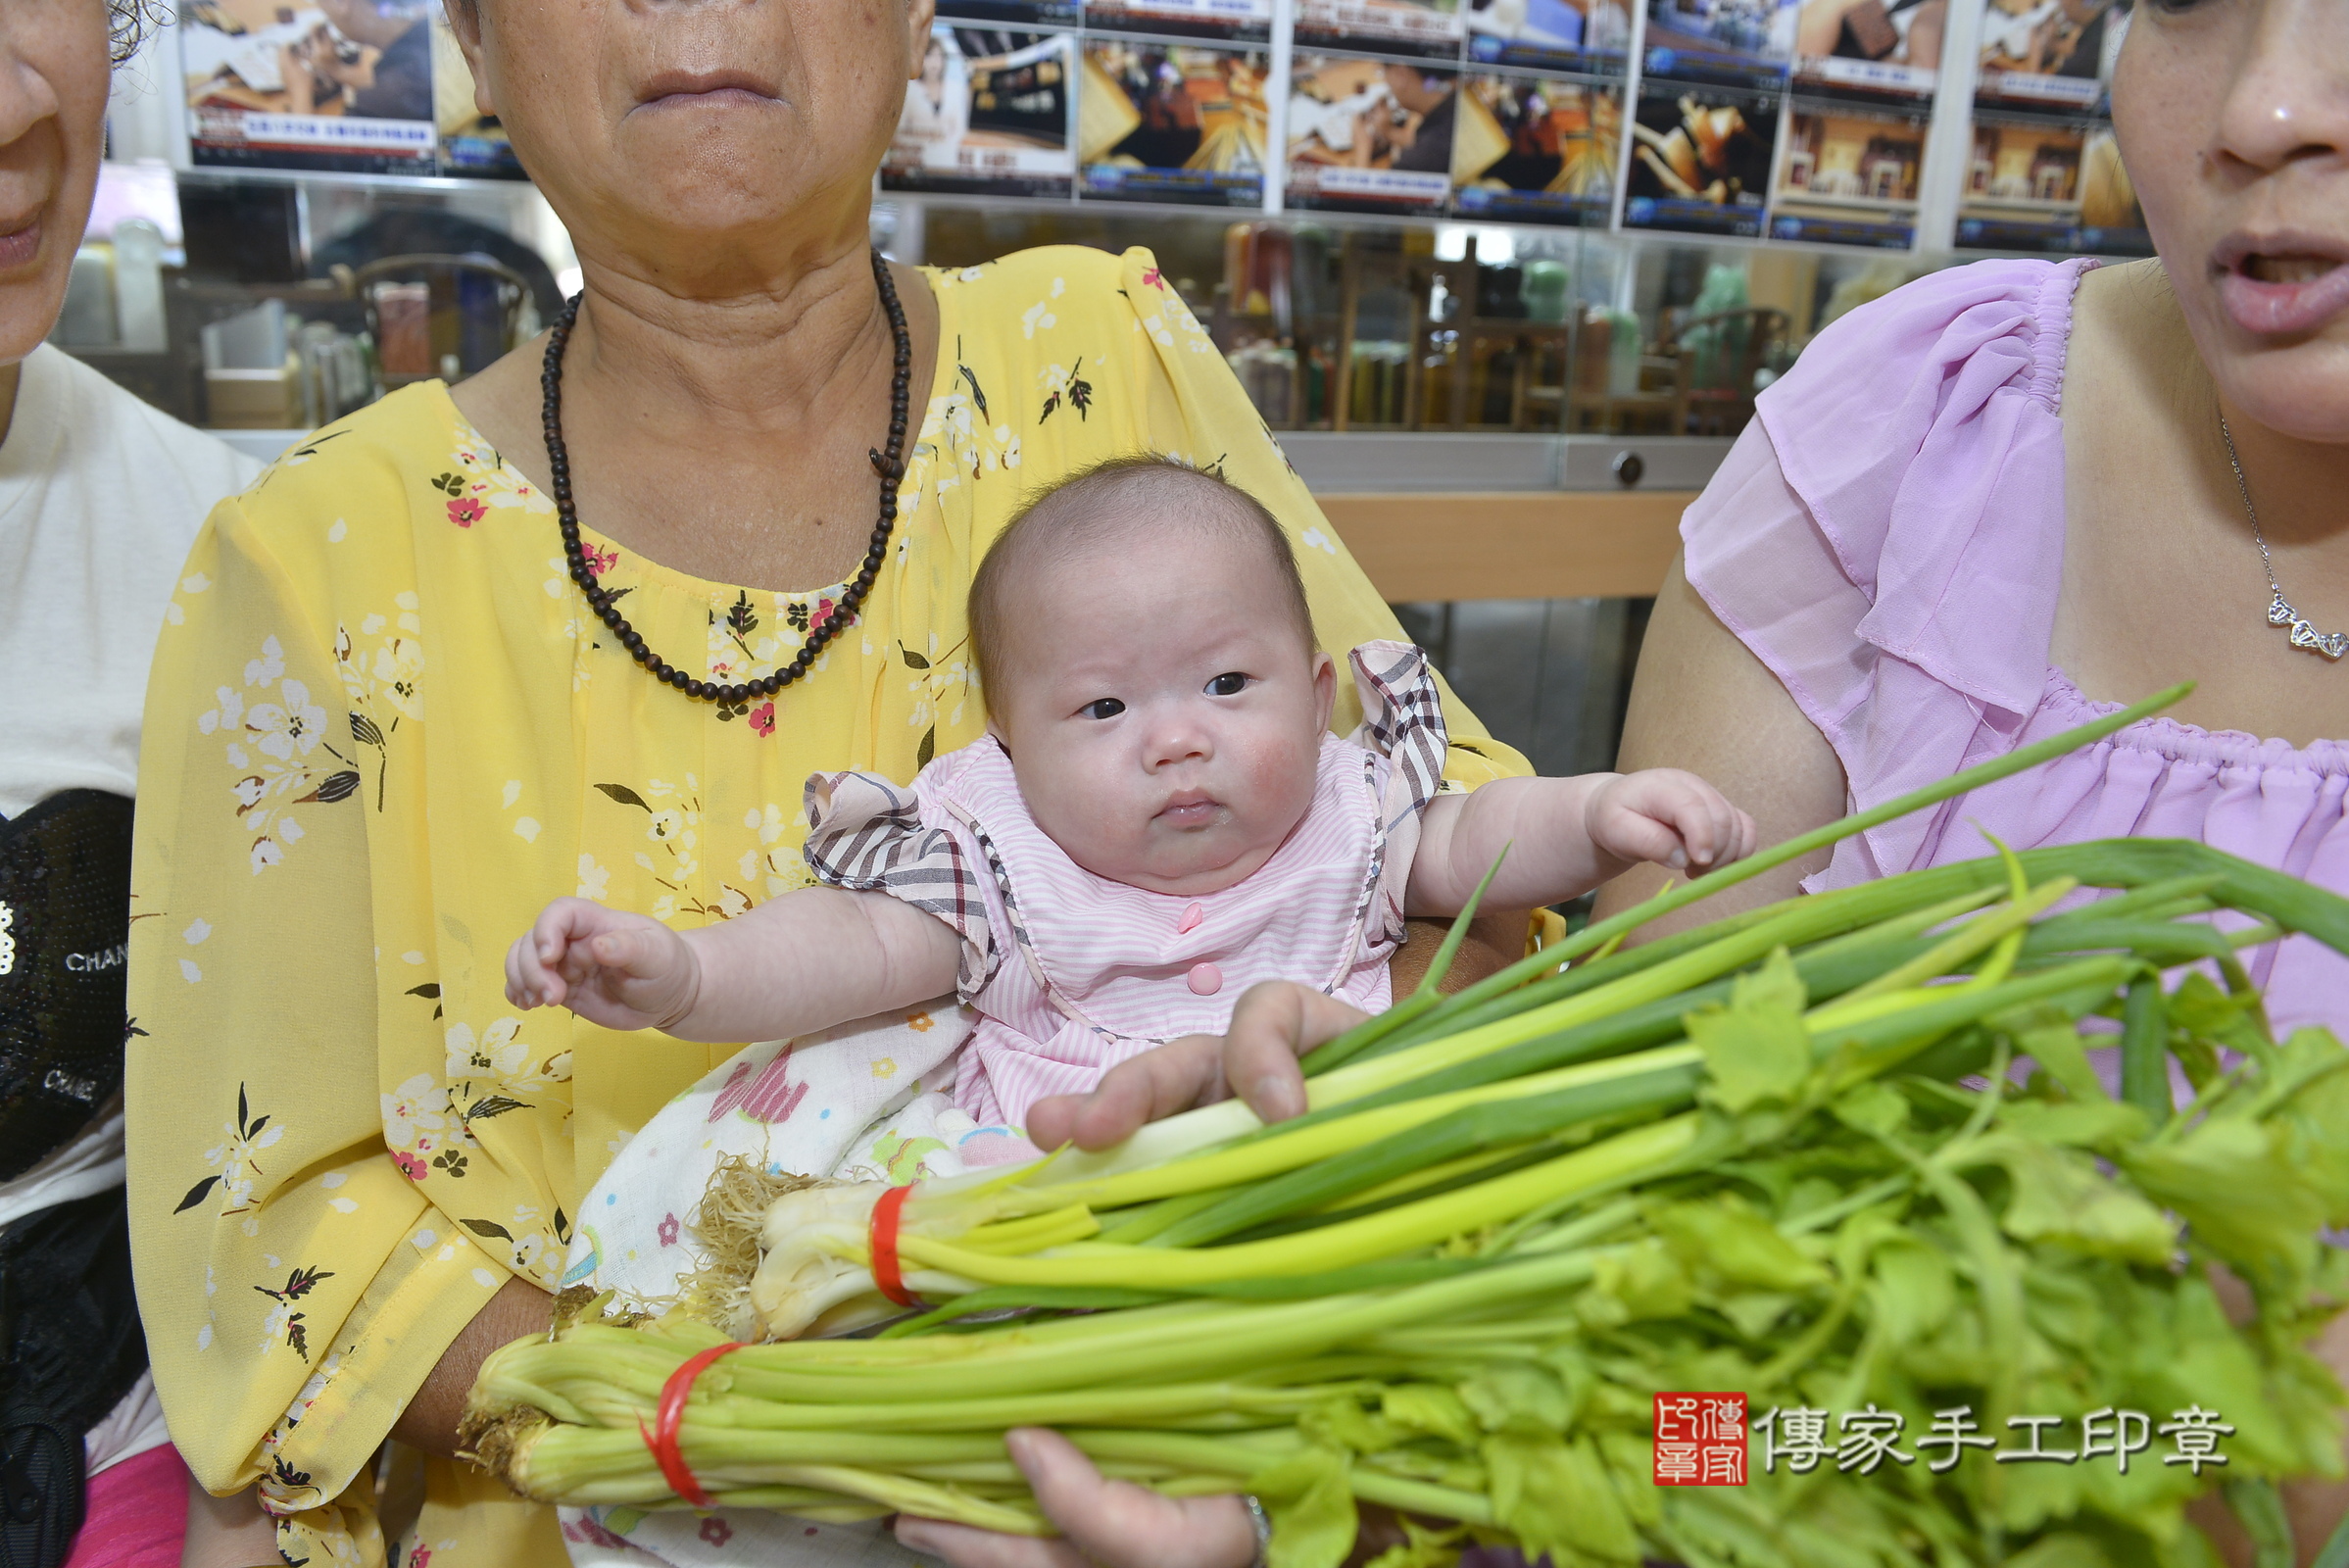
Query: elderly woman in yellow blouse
point(583, 626)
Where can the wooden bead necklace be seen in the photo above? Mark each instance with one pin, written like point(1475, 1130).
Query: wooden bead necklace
point(890, 467)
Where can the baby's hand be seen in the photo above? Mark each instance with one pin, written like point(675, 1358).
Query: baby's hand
point(1668, 817)
point(622, 972)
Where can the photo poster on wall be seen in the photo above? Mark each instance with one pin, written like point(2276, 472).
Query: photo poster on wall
point(1172, 123)
point(1536, 149)
point(2111, 222)
point(1728, 43)
point(1849, 174)
point(2044, 171)
point(1014, 13)
point(1590, 37)
point(1371, 136)
point(1701, 159)
point(1884, 50)
point(988, 114)
point(2022, 183)
point(342, 86)
point(2050, 55)
point(2050, 183)
point(1238, 21)
point(471, 143)
point(1430, 29)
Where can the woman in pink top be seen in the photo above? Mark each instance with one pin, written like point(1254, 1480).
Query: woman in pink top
point(1994, 502)
point(2001, 501)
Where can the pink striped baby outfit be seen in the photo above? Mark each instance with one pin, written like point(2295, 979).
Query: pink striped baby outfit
point(1071, 973)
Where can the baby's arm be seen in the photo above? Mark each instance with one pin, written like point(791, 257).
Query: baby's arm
point(795, 964)
point(1565, 836)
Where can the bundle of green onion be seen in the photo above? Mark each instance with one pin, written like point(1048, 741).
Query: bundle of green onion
point(1782, 1156)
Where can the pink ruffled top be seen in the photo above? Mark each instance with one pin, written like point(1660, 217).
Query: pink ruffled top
point(1888, 538)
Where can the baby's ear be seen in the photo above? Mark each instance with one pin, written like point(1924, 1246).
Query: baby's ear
point(1325, 686)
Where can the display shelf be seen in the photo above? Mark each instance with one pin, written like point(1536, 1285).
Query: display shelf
point(1499, 137)
point(1389, 323)
point(1439, 462)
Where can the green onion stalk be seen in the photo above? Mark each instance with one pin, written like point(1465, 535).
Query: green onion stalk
point(1859, 1149)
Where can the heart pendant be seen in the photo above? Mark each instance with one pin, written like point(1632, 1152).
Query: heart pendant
point(2332, 645)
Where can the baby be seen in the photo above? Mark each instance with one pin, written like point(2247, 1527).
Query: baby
point(1157, 818)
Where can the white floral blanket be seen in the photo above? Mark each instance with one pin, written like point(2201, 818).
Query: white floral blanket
point(865, 1101)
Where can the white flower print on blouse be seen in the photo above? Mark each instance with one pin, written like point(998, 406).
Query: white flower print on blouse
point(275, 738)
point(497, 1058)
point(234, 1160)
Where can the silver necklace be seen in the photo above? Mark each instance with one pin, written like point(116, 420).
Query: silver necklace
point(2331, 643)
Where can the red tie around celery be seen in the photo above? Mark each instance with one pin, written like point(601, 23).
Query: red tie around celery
point(663, 1439)
point(886, 1274)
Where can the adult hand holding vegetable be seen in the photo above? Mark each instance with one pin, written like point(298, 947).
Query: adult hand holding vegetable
point(1116, 1522)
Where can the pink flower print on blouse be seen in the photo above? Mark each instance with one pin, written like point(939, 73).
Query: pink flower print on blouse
point(667, 1230)
point(410, 1167)
point(810, 618)
point(762, 719)
point(1152, 279)
point(598, 561)
point(464, 511)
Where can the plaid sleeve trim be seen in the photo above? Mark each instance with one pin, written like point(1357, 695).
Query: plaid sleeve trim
point(1402, 721)
point(865, 834)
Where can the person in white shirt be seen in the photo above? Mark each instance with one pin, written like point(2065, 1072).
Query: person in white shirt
point(100, 497)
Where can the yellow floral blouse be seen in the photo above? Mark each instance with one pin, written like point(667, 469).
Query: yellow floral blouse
point(384, 730)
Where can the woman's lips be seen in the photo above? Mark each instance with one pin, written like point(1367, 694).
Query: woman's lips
point(2281, 290)
point(20, 247)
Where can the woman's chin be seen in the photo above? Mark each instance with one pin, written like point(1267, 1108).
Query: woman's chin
point(28, 302)
point(2297, 387)
point(2300, 390)
point(717, 173)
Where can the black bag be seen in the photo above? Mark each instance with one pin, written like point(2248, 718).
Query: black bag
point(70, 1345)
point(65, 922)
point(42, 1488)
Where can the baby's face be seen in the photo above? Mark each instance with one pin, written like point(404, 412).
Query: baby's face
point(1163, 714)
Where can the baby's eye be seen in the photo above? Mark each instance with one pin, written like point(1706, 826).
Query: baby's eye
point(1103, 708)
point(1231, 683)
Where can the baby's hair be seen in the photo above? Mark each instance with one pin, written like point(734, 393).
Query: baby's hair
point(1110, 500)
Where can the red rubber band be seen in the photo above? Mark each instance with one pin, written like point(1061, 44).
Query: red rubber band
point(887, 1211)
point(663, 1439)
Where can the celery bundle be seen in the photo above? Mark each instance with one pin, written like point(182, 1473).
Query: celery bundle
point(1782, 1156)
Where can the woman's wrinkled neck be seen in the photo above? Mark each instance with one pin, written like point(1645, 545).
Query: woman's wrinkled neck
point(758, 346)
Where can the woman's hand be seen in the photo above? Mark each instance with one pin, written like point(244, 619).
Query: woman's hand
point(1115, 1524)
point(624, 971)
point(1274, 1024)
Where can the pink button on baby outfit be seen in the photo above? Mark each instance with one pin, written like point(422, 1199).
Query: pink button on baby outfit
point(1206, 979)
